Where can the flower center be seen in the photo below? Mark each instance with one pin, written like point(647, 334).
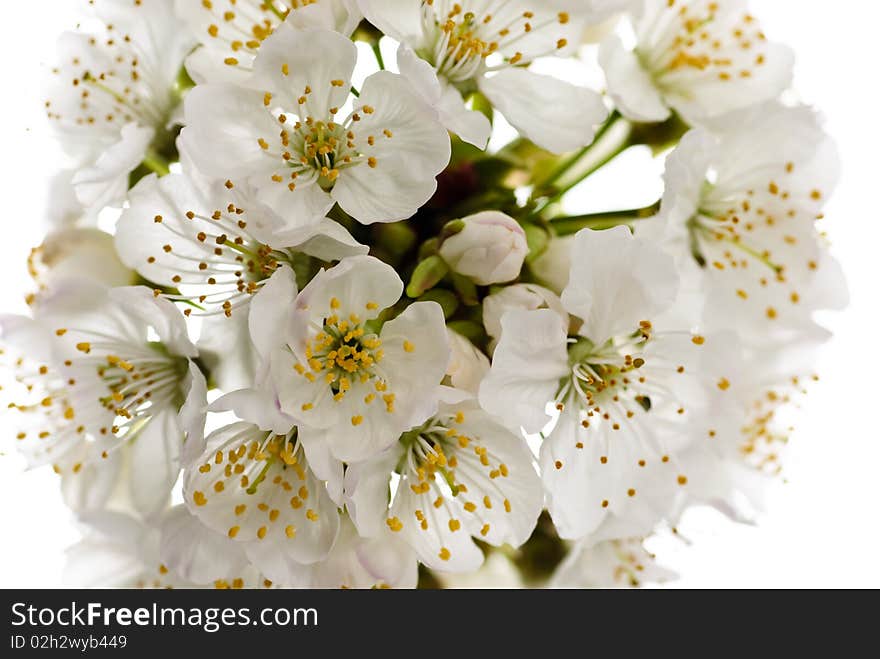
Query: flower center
point(218, 264)
point(254, 472)
point(135, 386)
point(603, 380)
point(316, 148)
point(439, 459)
point(345, 354)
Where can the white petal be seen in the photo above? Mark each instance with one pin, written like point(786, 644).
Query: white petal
point(686, 170)
point(110, 553)
point(411, 148)
point(105, 183)
point(579, 482)
point(193, 414)
point(332, 242)
point(340, 15)
point(386, 193)
point(610, 564)
point(226, 349)
point(271, 311)
point(528, 364)
point(367, 492)
point(155, 462)
point(471, 126)
point(631, 87)
point(555, 115)
point(223, 124)
point(158, 313)
point(417, 355)
point(312, 58)
point(437, 545)
point(718, 97)
point(91, 486)
point(355, 282)
point(399, 19)
point(416, 135)
point(255, 406)
point(389, 561)
point(527, 297)
point(617, 281)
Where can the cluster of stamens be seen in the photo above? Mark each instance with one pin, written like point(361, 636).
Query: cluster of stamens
point(49, 425)
point(613, 384)
point(233, 265)
point(697, 44)
point(431, 468)
point(460, 41)
point(733, 234)
point(254, 476)
point(130, 387)
point(342, 353)
point(314, 149)
point(114, 97)
point(245, 25)
point(764, 435)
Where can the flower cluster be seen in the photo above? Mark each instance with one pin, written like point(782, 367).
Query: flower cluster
point(306, 317)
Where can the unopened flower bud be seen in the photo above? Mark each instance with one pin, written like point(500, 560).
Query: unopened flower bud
point(489, 248)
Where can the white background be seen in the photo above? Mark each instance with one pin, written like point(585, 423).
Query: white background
point(822, 527)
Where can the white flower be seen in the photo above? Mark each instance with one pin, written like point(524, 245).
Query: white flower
point(77, 253)
point(479, 45)
point(700, 58)
point(462, 475)
point(610, 564)
point(742, 203)
point(119, 377)
point(626, 395)
point(518, 296)
point(488, 247)
point(113, 95)
point(217, 245)
point(351, 386)
point(232, 31)
point(468, 365)
point(306, 143)
point(257, 488)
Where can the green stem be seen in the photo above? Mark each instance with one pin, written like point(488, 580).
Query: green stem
point(574, 158)
point(566, 226)
point(613, 138)
point(156, 163)
point(356, 93)
point(377, 50)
